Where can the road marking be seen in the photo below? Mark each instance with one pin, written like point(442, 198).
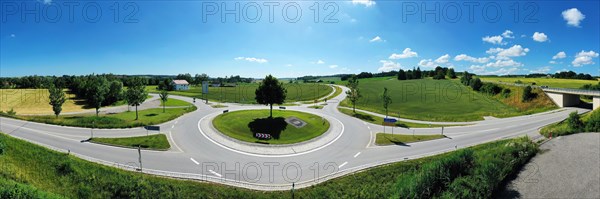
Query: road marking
point(341, 165)
point(369, 127)
point(370, 139)
point(215, 173)
point(194, 161)
point(173, 126)
point(174, 143)
point(357, 154)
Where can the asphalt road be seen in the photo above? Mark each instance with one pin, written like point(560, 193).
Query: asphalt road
point(193, 156)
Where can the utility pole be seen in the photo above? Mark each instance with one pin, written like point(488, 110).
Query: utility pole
point(293, 185)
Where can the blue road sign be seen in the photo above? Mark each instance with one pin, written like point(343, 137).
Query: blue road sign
point(391, 120)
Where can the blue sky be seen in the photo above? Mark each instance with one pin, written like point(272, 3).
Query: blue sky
point(171, 37)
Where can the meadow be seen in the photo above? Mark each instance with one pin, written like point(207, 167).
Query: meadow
point(244, 93)
point(542, 81)
point(35, 101)
point(434, 100)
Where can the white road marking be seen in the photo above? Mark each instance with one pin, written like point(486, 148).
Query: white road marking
point(370, 138)
point(173, 126)
point(194, 161)
point(357, 154)
point(341, 165)
point(215, 173)
point(369, 127)
point(174, 143)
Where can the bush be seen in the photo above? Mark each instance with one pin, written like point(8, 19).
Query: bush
point(491, 89)
point(528, 95)
point(505, 92)
point(12, 112)
point(475, 84)
point(2, 147)
point(593, 122)
point(574, 122)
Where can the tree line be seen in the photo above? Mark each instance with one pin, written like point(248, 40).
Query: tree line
point(437, 73)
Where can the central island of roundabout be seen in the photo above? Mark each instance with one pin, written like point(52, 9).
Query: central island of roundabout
point(287, 133)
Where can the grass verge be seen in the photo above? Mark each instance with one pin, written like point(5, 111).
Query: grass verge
point(154, 142)
point(590, 122)
point(175, 102)
point(383, 139)
point(242, 125)
point(379, 120)
point(44, 173)
point(118, 120)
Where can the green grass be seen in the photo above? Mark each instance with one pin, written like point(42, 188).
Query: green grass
point(383, 139)
point(431, 100)
point(562, 128)
point(175, 102)
point(242, 125)
point(155, 142)
point(317, 106)
point(218, 106)
point(379, 120)
point(337, 92)
point(551, 82)
point(47, 172)
point(244, 93)
point(118, 120)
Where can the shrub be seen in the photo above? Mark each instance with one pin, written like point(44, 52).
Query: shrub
point(574, 122)
point(528, 95)
point(506, 92)
point(491, 89)
point(2, 147)
point(12, 112)
point(593, 122)
point(475, 84)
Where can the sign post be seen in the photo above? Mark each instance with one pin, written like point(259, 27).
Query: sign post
point(205, 90)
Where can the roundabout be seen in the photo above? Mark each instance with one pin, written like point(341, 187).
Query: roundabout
point(237, 131)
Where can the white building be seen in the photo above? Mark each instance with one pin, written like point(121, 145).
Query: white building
point(181, 85)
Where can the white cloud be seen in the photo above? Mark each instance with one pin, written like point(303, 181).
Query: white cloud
point(388, 66)
point(494, 39)
point(333, 66)
point(289, 65)
point(508, 34)
point(407, 53)
point(584, 58)
point(573, 17)
point(539, 37)
point(560, 55)
point(320, 62)
point(504, 63)
point(367, 3)
point(376, 39)
point(252, 59)
point(443, 59)
point(514, 51)
point(502, 71)
point(552, 62)
point(464, 57)
point(13, 35)
point(427, 63)
point(544, 70)
point(477, 68)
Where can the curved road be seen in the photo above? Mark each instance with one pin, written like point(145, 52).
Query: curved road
point(192, 156)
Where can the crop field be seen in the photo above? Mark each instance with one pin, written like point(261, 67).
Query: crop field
point(35, 101)
point(244, 93)
point(431, 100)
point(551, 82)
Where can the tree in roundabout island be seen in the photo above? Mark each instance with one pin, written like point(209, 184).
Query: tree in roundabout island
point(97, 90)
point(136, 94)
point(269, 92)
point(164, 96)
point(57, 99)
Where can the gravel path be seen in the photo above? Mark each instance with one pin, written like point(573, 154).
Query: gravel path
point(566, 167)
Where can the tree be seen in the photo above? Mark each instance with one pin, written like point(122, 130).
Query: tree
point(475, 84)
point(164, 96)
point(57, 99)
point(198, 79)
point(353, 94)
point(270, 91)
point(136, 94)
point(574, 122)
point(401, 75)
point(418, 73)
point(527, 94)
point(96, 90)
point(451, 74)
point(465, 79)
point(440, 75)
point(387, 100)
point(115, 92)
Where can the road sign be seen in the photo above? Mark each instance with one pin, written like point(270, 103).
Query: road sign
point(391, 120)
point(152, 128)
point(263, 136)
point(205, 87)
point(282, 107)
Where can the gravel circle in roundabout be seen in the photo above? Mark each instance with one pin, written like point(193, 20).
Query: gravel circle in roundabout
point(288, 133)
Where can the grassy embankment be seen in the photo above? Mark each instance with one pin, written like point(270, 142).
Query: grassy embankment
point(383, 139)
point(243, 125)
point(379, 120)
point(563, 127)
point(31, 171)
point(175, 102)
point(244, 93)
point(540, 81)
point(440, 100)
point(154, 142)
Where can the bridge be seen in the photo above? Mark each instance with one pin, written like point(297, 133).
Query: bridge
point(564, 97)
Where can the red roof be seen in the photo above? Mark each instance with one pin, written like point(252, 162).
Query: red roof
point(180, 82)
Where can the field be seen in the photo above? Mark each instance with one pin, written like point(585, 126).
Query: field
point(242, 125)
point(118, 120)
point(383, 139)
point(31, 171)
point(550, 82)
point(155, 142)
point(431, 100)
point(244, 93)
point(35, 101)
point(379, 120)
